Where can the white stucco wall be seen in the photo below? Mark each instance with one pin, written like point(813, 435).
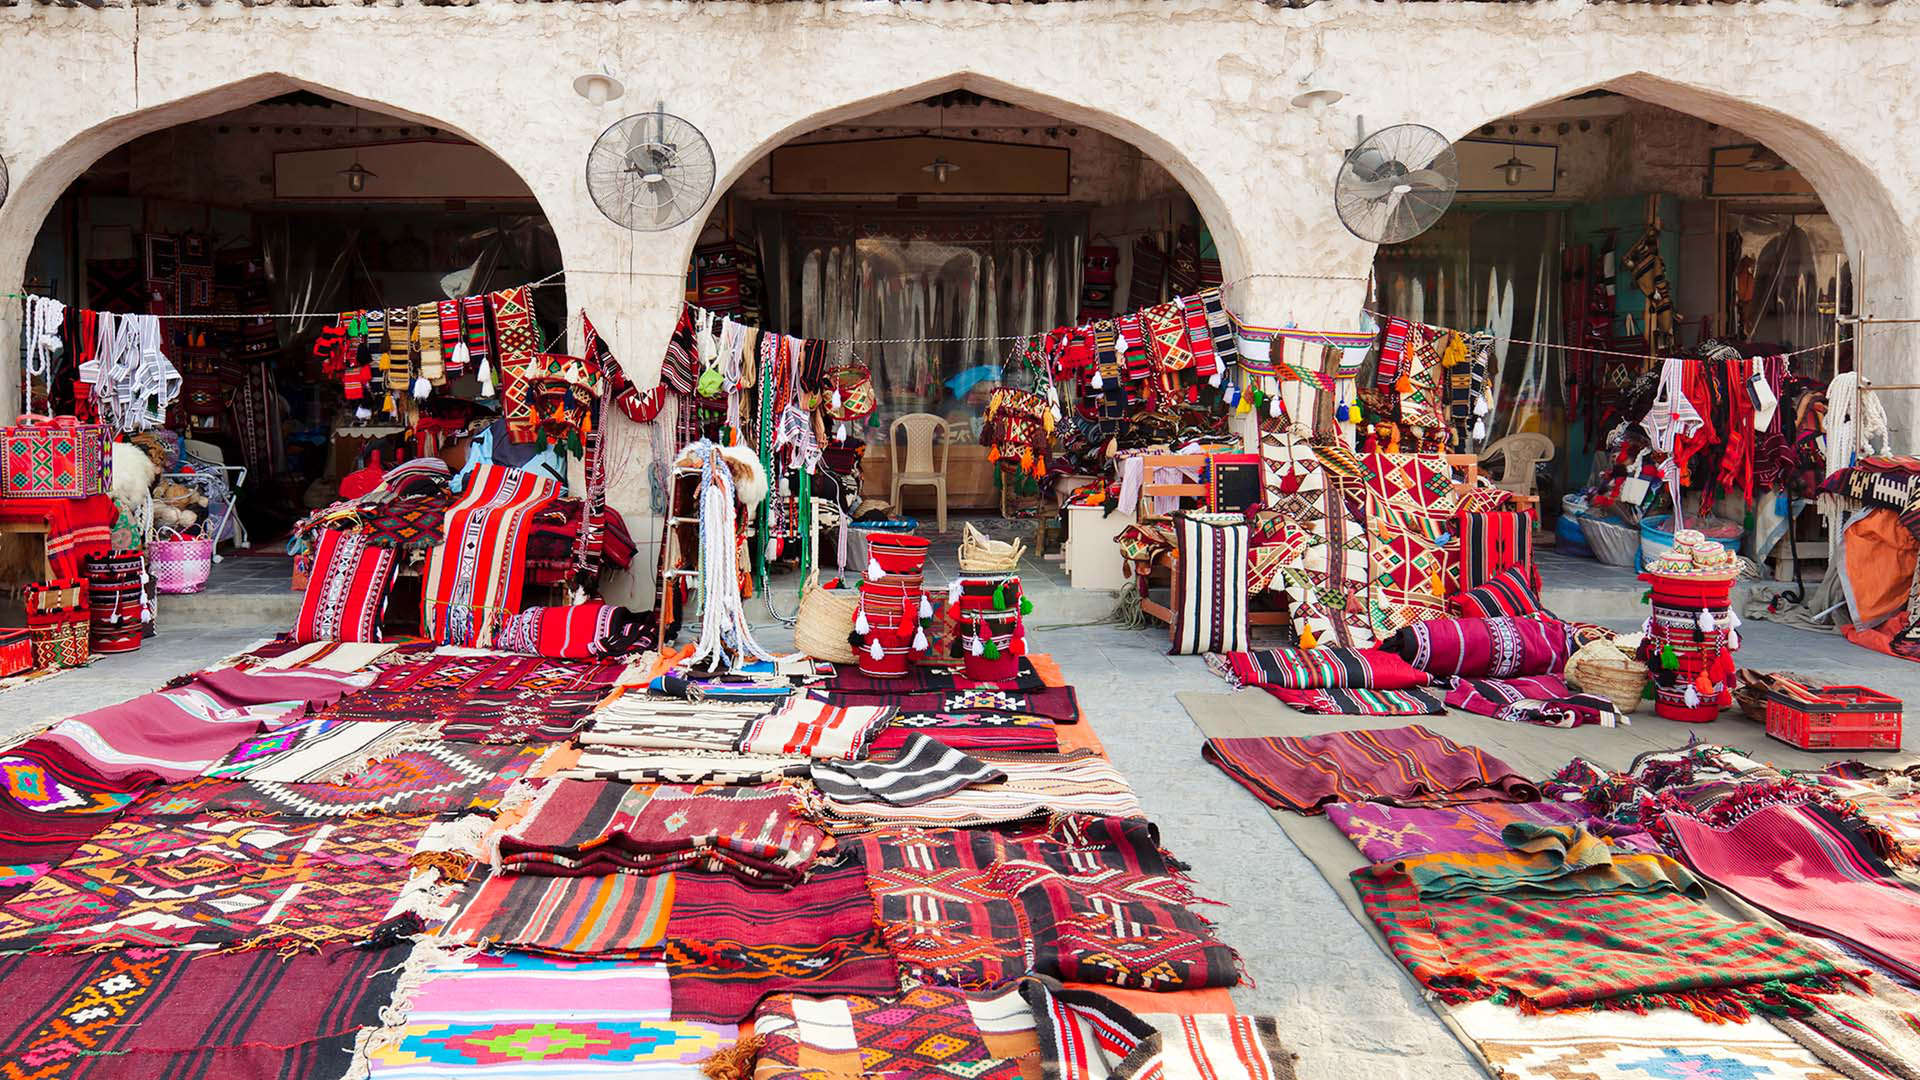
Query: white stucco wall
point(1202, 86)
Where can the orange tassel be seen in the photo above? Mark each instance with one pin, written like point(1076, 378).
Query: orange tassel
point(993, 453)
point(1307, 640)
point(1405, 383)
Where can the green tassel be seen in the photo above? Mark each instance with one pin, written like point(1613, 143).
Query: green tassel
point(991, 651)
point(1259, 397)
point(1669, 659)
point(999, 598)
point(1026, 606)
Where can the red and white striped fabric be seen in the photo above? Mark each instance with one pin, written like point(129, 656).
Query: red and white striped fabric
point(810, 726)
point(1085, 1036)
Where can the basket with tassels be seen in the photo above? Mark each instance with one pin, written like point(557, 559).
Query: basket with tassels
point(980, 554)
point(1600, 667)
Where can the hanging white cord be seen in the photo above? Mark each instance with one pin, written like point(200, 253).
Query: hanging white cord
point(725, 637)
point(1855, 426)
point(41, 331)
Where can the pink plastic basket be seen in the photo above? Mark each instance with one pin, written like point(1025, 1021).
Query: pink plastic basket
point(182, 566)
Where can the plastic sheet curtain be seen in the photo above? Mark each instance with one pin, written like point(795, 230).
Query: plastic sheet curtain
point(910, 280)
point(1783, 275)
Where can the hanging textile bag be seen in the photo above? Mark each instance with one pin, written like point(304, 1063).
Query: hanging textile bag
point(55, 457)
point(182, 564)
point(59, 620)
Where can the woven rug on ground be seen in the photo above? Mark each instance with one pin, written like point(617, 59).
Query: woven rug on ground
point(636, 720)
point(1888, 799)
point(436, 778)
point(514, 1014)
point(929, 1032)
point(919, 680)
point(44, 776)
point(146, 1012)
point(607, 914)
point(219, 881)
point(1327, 590)
point(1060, 704)
point(977, 909)
point(1409, 766)
point(1602, 950)
point(1384, 833)
point(487, 697)
point(1866, 1035)
point(598, 827)
point(730, 944)
point(921, 770)
point(1085, 1036)
point(1361, 702)
point(347, 589)
point(1667, 1044)
point(320, 746)
point(1101, 905)
point(472, 582)
point(33, 841)
point(816, 728)
point(971, 732)
point(176, 734)
point(1808, 866)
point(1077, 782)
point(1545, 700)
point(683, 767)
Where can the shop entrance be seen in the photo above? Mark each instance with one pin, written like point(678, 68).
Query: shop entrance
point(296, 204)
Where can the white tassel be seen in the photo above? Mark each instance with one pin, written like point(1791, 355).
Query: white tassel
point(975, 646)
point(926, 607)
point(860, 623)
point(1098, 382)
point(461, 356)
point(1733, 641)
point(1273, 405)
point(837, 400)
point(1733, 619)
point(953, 592)
point(421, 387)
point(1705, 621)
point(874, 573)
point(1213, 380)
point(486, 380)
point(363, 413)
point(920, 641)
point(840, 432)
point(1691, 697)
point(874, 650)
point(1479, 430)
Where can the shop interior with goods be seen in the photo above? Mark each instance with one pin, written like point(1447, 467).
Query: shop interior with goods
point(716, 727)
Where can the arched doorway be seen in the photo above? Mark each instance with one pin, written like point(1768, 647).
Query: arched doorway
point(928, 237)
point(295, 205)
point(1595, 234)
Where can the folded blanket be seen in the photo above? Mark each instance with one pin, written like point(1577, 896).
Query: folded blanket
point(582, 827)
point(1481, 648)
point(921, 771)
point(1531, 699)
point(1323, 668)
point(814, 728)
point(1407, 765)
point(1358, 702)
point(1540, 858)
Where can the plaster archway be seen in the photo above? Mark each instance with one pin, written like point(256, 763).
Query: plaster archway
point(47, 178)
point(1212, 206)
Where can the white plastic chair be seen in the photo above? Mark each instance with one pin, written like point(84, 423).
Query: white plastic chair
point(914, 465)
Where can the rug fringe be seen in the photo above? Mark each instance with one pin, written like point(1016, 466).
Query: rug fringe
point(736, 1061)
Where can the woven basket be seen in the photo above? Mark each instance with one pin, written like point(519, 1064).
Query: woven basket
point(824, 622)
point(62, 644)
point(1600, 667)
point(1612, 543)
point(1750, 689)
point(182, 566)
point(981, 555)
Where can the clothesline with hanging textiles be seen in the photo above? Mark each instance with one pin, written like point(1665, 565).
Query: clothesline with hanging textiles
point(545, 282)
point(1562, 346)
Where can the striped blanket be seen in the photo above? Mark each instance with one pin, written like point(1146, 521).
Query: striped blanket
point(472, 581)
point(1408, 766)
point(606, 916)
point(921, 771)
point(1079, 782)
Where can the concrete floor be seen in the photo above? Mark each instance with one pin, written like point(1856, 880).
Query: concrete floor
point(1345, 1007)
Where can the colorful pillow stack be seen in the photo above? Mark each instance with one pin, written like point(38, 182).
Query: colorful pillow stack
point(989, 631)
point(890, 627)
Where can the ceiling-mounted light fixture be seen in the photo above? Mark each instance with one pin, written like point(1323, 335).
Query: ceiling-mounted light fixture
point(357, 175)
point(941, 168)
point(1513, 169)
point(599, 87)
point(1316, 100)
